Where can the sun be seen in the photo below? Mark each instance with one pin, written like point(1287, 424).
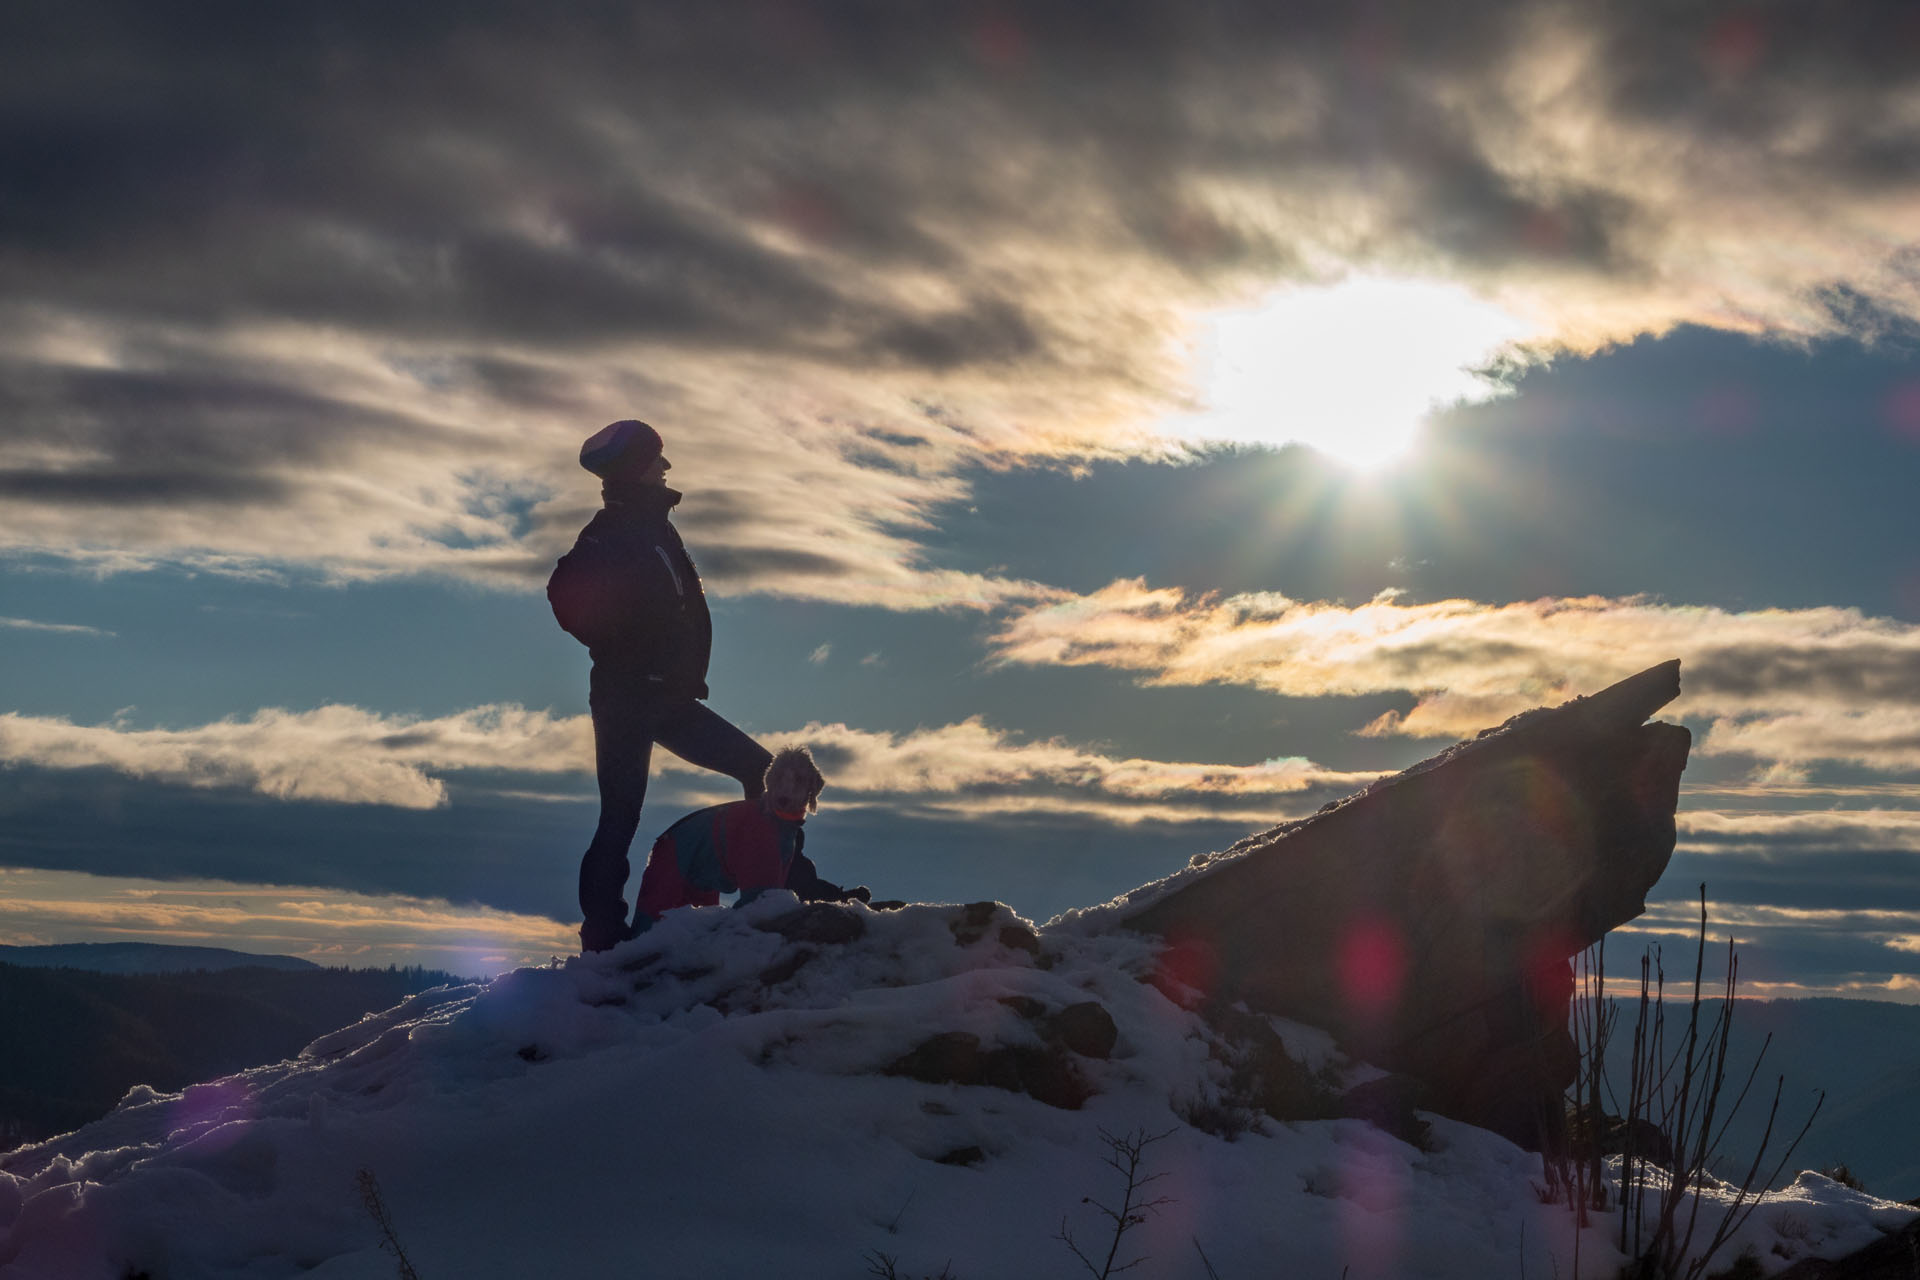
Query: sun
point(1351, 369)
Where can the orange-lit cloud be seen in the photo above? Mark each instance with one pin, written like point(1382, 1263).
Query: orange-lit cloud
point(327, 926)
point(1786, 685)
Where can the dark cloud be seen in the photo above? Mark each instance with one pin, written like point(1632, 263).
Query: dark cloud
point(722, 564)
point(992, 331)
point(480, 851)
point(1859, 672)
point(1746, 73)
point(387, 169)
point(121, 486)
point(185, 437)
point(1017, 193)
point(1832, 872)
point(218, 419)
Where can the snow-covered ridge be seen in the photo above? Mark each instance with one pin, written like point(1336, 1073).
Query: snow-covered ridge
point(713, 1100)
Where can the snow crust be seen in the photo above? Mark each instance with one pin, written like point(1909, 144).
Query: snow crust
point(692, 1105)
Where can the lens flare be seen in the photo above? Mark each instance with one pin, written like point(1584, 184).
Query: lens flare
point(1372, 965)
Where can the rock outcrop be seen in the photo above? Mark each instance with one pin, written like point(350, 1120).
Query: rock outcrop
point(1428, 921)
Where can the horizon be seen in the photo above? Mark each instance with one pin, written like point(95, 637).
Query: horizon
point(1103, 435)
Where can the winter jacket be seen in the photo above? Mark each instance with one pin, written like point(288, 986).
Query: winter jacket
point(629, 592)
point(729, 847)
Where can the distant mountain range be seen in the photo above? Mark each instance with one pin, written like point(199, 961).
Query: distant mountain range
point(1865, 1054)
point(141, 957)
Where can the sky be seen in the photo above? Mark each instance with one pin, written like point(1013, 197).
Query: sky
point(1105, 431)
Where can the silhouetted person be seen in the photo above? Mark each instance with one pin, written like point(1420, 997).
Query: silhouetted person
point(748, 846)
point(629, 592)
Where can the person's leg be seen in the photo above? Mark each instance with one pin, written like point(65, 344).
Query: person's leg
point(622, 750)
point(700, 736)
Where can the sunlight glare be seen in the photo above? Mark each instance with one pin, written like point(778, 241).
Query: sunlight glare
point(1351, 370)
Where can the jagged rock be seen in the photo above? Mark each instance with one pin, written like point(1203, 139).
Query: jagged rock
point(780, 971)
point(1045, 1075)
point(1427, 921)
point(950, 1057)
point(1389, 1103)
point(955, 1057)
point(971, 924)
point(1017, 937)
point(1085, 1028)
point(1263, 1074)
point(1891, 1257)
point(1614, 1136)
point(818, 922)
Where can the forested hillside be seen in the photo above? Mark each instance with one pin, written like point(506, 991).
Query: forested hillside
point(72, 1042)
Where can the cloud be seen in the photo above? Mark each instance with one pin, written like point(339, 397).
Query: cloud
point(1884, 738)
point(1755, 831)
point(57, 628)
point(346, 755)
point(327, 926)
point(339, 754)
point(347, 290)
point(971, 768)
point(1783, 685)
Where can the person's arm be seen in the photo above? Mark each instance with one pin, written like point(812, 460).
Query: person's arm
point(804, 879)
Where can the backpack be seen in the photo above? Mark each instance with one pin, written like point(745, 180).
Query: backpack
point(584, 594)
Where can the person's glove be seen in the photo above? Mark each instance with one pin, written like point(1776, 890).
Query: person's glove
point(859, 893)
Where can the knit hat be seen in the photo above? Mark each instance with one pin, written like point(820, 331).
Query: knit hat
point(627, 445)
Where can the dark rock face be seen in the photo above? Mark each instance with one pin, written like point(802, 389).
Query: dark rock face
point(821, 922)
point(1085, 1028)
point(1890, 1258)
point(1045, 1072)
point(1428, 920)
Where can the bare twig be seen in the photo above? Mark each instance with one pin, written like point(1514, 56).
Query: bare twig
point(887, 1267)
point(1123, 1157)
point(377, 1210)
point(1679, 1093)
point(893, 1228)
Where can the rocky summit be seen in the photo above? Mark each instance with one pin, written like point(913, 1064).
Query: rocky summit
point(1429, 920)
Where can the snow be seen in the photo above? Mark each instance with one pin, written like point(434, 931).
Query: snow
point(680, 1107)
